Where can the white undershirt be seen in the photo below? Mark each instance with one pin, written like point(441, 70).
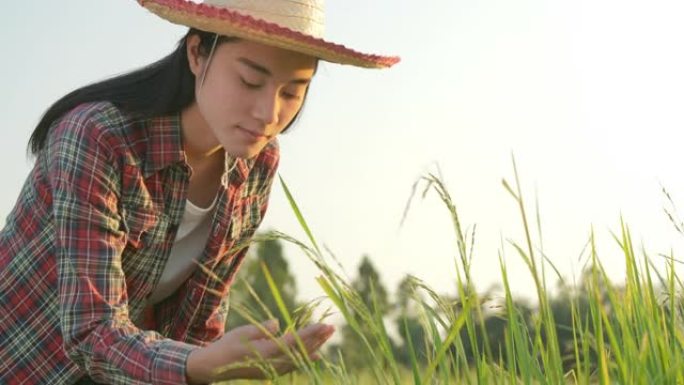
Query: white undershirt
point(190, 241)
point(191, 238)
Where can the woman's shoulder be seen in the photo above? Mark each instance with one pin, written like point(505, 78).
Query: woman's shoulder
point(100, 121)
point(94, 114)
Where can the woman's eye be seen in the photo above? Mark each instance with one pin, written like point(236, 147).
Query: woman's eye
point(290, 96)
point(250, 85)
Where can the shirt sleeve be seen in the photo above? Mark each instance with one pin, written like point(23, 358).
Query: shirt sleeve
point(93, 304)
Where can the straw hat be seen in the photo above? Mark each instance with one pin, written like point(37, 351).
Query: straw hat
point(295, 25)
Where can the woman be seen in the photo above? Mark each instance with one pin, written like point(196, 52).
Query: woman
point(116, 262)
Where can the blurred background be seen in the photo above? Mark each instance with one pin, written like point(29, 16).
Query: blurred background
point(587, 95)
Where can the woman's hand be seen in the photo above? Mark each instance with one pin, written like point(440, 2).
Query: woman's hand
point(252, 343)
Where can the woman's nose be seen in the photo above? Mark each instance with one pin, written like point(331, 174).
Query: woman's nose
point(267, 108)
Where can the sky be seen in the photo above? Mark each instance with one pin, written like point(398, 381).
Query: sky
point(586, 95)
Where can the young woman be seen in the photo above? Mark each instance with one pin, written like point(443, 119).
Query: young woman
point(117, 260)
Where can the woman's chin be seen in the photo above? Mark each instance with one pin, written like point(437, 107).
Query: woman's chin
point(244, 152)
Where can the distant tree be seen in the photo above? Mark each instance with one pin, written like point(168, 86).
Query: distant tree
point(589, 288)
point(270, 253)
point(369, 287)
point(374, 296)
point(411, 331)
point(484, 334)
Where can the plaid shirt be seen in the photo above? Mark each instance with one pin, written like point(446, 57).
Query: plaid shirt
point(88, 239)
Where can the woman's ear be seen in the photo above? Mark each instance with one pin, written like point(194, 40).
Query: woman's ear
point(192, 45)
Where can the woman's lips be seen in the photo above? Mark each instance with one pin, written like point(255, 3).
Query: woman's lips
point(252, 135)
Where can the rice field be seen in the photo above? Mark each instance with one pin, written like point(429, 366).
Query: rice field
point(631, 333)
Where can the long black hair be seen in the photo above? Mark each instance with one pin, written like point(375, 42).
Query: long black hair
point(161, 88)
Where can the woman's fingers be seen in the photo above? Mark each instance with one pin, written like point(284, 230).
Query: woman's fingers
point(253, 332)
point(277, 353)
point(243, 350)
point(312, 337)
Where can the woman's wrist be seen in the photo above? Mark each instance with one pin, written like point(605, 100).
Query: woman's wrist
point(195, 368)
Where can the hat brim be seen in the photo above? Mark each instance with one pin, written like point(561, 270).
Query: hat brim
point(231, 23)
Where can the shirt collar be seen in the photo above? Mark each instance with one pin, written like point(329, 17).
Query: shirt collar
point(236, 174)
point(165, 148)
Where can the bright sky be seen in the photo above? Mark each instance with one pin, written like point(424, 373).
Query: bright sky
point(587, 94)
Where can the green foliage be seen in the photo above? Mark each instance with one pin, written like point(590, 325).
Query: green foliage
point(594, 332)
point(414, 340)
point(253, 282)
point(373, 296)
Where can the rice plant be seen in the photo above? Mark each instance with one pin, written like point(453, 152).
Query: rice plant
point(628, 333)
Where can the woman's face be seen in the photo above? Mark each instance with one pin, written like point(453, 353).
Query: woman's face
point(251, 92)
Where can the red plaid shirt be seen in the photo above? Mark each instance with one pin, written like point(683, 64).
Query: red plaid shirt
point(88, 240)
